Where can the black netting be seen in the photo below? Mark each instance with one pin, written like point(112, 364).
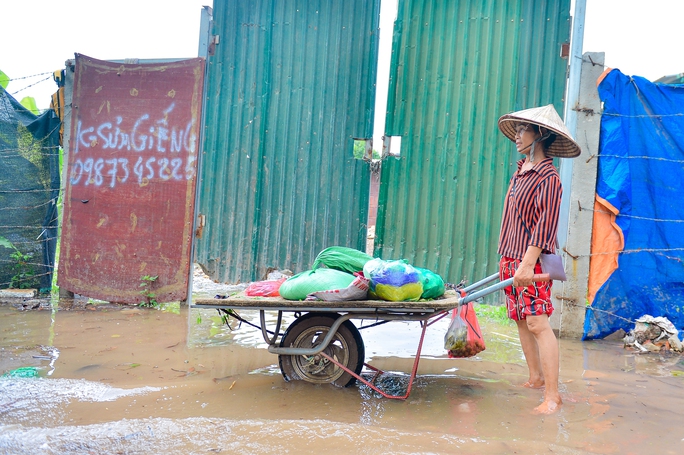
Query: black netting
point(29, 188)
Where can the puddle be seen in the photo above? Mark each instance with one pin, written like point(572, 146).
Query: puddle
point(177, 382)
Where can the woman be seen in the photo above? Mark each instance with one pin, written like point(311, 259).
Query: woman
point(528, 228)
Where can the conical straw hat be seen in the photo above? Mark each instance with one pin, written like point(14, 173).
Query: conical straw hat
point(546, 116)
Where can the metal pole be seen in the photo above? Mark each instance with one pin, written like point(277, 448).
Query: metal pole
point(203, 51)
point(575, 70)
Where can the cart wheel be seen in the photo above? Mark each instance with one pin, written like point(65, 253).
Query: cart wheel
point(308, 331)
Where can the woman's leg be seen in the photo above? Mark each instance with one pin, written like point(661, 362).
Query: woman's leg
point(547, 345)
point(531, 351)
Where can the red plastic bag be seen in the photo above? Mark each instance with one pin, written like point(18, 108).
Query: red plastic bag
point(268, 288)
point(473, 343)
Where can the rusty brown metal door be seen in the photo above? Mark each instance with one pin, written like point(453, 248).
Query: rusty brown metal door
point(131, 175)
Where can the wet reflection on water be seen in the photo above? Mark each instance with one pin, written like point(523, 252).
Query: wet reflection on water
point(147, 381)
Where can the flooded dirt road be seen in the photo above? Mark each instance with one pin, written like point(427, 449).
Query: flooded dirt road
point(139, 381)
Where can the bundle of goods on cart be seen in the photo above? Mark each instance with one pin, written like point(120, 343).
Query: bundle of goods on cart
point(346, 274)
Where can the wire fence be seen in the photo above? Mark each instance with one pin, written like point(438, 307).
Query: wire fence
point(29, 194)
point(44, 231)
point(48, 76)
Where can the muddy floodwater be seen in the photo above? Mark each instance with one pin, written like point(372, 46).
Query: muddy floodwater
point(104, 380)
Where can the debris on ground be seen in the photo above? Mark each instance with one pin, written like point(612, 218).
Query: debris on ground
point(653, 334)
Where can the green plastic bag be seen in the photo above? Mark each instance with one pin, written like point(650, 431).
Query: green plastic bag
point(23, 372)
point(341, 258)
point(305, 283)
point(433, 284)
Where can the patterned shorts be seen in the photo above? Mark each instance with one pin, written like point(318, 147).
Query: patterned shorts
point(521, 302)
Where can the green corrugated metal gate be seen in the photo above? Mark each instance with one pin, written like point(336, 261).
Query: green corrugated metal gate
point(290, 86)
point(292, 83)
point(457, 66)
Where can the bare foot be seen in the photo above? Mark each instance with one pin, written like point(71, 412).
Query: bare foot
point(533, 384)
point(548, 406)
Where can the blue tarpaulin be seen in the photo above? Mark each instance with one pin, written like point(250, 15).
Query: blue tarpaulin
point(641, 173)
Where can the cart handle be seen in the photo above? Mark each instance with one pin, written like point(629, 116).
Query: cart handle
point(482, 282)
point(500, 285)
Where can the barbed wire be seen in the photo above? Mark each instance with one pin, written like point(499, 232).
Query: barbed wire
point(31, 85)
point(39, 141)
point(632, 321)
point(611, 114)
point(32, 191)
point(10, 261)
point(624, 215)
point(640, 157)
point(31, 227)
point(31, 278)
point(30, 207)
point(33, 75)
point(658, 252)
point(19, 155)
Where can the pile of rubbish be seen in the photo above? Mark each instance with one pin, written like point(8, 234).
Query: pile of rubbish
point(345, 274)
point(653, 334)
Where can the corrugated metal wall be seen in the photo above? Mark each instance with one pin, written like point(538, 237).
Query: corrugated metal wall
point(290, 85)
point(456, 67)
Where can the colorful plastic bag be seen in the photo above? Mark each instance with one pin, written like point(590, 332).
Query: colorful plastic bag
point(454, 341)
point(395, 281)
point(268, 288)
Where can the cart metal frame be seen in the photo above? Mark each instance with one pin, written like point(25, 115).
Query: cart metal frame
point(425, 312)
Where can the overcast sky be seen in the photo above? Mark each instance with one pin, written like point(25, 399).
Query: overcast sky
point(639, 37)
point(38, 36)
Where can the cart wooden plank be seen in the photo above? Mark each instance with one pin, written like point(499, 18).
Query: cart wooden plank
point(448, 301)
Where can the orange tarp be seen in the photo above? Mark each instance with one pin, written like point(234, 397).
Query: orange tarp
point(607, 242)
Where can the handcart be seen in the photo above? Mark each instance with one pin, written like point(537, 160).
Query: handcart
point(322, 345)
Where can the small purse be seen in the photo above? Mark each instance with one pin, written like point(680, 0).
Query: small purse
point(553, 265)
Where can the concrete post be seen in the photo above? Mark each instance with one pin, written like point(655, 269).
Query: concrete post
point(569, 298)
point(66, 146)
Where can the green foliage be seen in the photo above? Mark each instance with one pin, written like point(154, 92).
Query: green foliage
point(217, 325)
point(496, 313)
point(55, 288)
point(24, 275)
point(6, 243)
point(360, 150)
point(29, 103)
point(4, 79)
point(146, 282)
point(32, 149)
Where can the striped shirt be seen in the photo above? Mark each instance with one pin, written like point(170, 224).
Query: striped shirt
point(530, 215)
